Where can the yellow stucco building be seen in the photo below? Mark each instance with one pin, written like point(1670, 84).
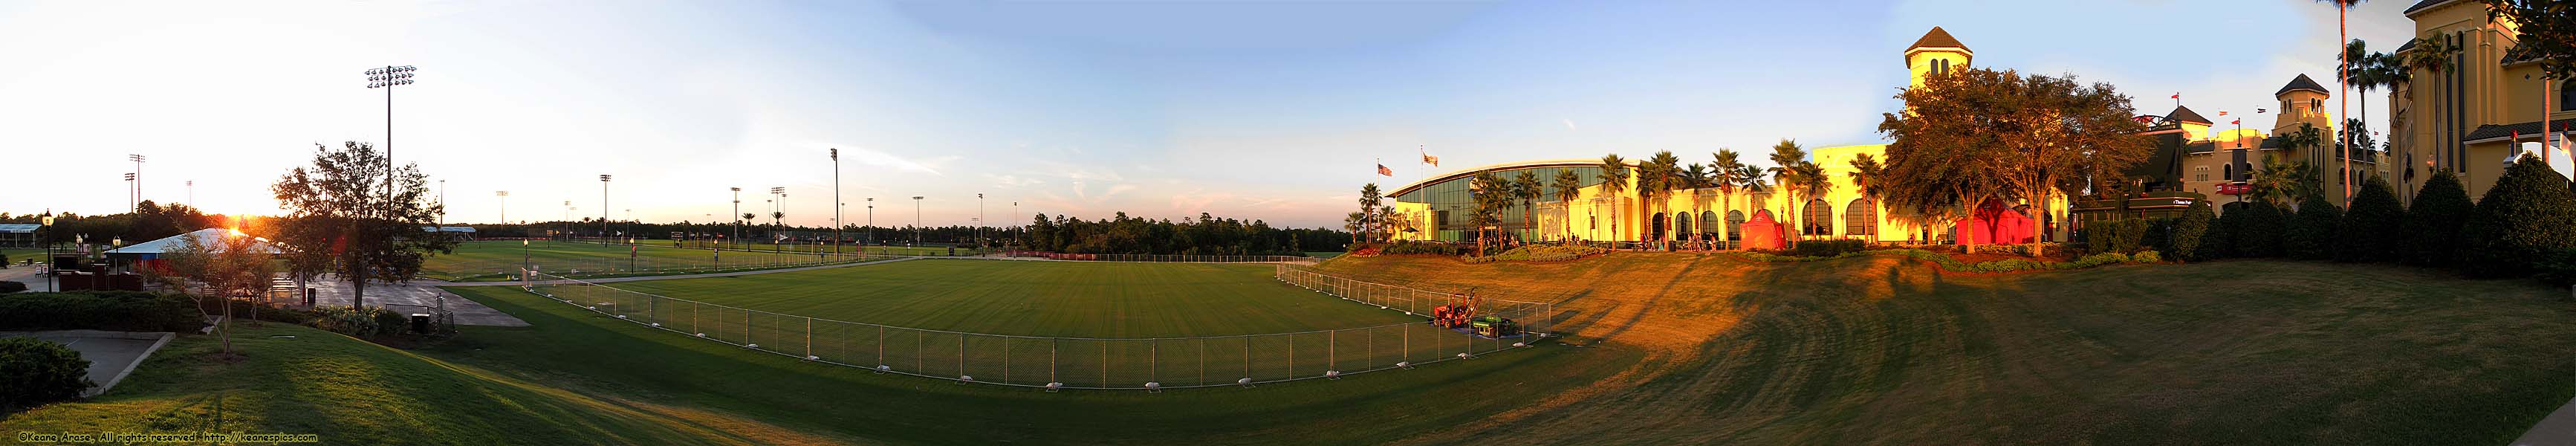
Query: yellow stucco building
point(2463, 115)
point(1437, 208)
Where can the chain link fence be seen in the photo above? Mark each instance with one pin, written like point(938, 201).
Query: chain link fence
point(1074, 362)
point(658, 264)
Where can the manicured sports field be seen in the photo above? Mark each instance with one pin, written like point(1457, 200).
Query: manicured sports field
point(1034, 298)
point(496, 259)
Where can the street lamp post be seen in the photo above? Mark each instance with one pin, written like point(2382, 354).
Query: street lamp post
point(603, 209)
point(45, 224)
point(386, 78)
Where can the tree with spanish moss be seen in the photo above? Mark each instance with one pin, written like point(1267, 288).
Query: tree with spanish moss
point(338, 205)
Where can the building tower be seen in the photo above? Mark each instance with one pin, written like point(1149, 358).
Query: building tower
point(2303, 104)
point(1935, 53)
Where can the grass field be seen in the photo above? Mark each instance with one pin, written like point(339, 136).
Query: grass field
point(1028, 298)
point(494, 260)
point(348, 391)
point(1888, 350)
point(1168, 323)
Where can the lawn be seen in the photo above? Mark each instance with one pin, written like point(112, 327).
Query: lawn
point(1880, 349)
point(1162, 314)
point(298, 380)
point(498, 259)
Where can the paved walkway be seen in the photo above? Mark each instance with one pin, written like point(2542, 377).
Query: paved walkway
point(2557, 429)
point(413, 297)
point(435, 283)
point(111, 354)
point(24, 274)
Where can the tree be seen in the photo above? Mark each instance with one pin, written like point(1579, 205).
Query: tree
point(375, 233)
point(1656, 179)
point(1614, 180)
point(1728, 172)
point(2264, 230)
point(1976, 134)
point(2548, 37)
point(1356, 223)
point(2369, 231)
point(1813, 183)
point(1527, 188)
point(233, 265)
point(1785, 157)
point(2220, 241)
point(2312, 230)
point(1370, 221)
point(2343, 77)
point(1568, 184)
point(2185, 242)
point(2283, 180)
point(2526, 215)
point(1492, 194)
point(2432, 226)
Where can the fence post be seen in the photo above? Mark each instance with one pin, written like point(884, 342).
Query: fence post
point(1332, 350)
point(1053, 344)
point(809, 337)
point(881, 346)
point(961, 354)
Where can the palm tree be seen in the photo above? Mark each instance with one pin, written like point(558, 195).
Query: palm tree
point(1369, 219)
point(1614, 180)
point(1655, 180)
point(1567, 185)
point(2343, 66)
point(1814, 183)
point(1352, 223)
point(2284, 181)
point(1727, 171)
point(1526, 188)
point(1786, 155)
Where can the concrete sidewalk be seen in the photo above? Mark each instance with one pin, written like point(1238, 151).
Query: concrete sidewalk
point(111, 354)
point(2557, 429)
point(412, 298)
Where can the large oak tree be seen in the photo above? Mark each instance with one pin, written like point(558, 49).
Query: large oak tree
point(1977, 134)
point(338, 209)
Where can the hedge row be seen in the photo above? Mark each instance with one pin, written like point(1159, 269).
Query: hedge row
point(1954, 264)
point(34, 372)
point(99, 310)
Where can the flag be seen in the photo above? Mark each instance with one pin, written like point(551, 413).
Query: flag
point(2177, 96)
point(1434, 161)
point(2238, 121)
point(1382, 170)
point(2222, 113)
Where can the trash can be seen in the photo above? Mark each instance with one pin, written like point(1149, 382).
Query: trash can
point(420, 323)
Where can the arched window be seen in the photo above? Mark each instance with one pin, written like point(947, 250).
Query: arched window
point(1734, 225)
point(1860, 218)
point(2228, 172)
point(1681, 225)
point(1708, 222)
point(2567, 96)
point(1818, 219)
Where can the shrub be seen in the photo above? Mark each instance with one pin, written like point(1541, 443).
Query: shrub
point(2527, 214)
point(34, 372)
point(1815, 248)
point(2146, 257)
point(2430, 233)
point(2370, 230)
point(2119, 236)
point(100, 310)
point(2261, 234)
point(2183, 234)
point(2557, 268)
point(2312, 230)
point(367, 323)
point(2220, 241)
point(1413, 247)
point(12, 287)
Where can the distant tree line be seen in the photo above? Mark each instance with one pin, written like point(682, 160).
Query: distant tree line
point(1206, 235)
point(149, 221)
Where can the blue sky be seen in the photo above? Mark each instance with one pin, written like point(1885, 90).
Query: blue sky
point(1268, 110)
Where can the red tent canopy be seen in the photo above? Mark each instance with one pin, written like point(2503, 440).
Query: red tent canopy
point(1763, 232)
point(1994, 223)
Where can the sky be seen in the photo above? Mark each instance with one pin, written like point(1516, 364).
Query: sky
point(1276, 111)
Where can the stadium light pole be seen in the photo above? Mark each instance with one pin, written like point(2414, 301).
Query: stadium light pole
point(777, 211)
point(737, 216)
point(836, 201)
point(135, 202)
point(603, 209)
point(872, 223)
point(192, 194)
point(979, 221)
point(130, 203)
point(442, 207)
point(916, 221)
point(386, 78)
point(505, 205)
point(1015, 232)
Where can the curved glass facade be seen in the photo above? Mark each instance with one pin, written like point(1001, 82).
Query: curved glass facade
point(1451, 202)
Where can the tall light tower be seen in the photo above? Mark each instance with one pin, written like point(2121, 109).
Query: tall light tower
point(130, 193)
point(836, 201)
point(737, 215)
point(505, 205)
point(603, 209)
point(1015, 226)
point(916, 221)
point(192, 194)
point(442, 206)
point(386, 78)
point(979, 220)
point(137, 178)
point(872, 222)
point(777, 209)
